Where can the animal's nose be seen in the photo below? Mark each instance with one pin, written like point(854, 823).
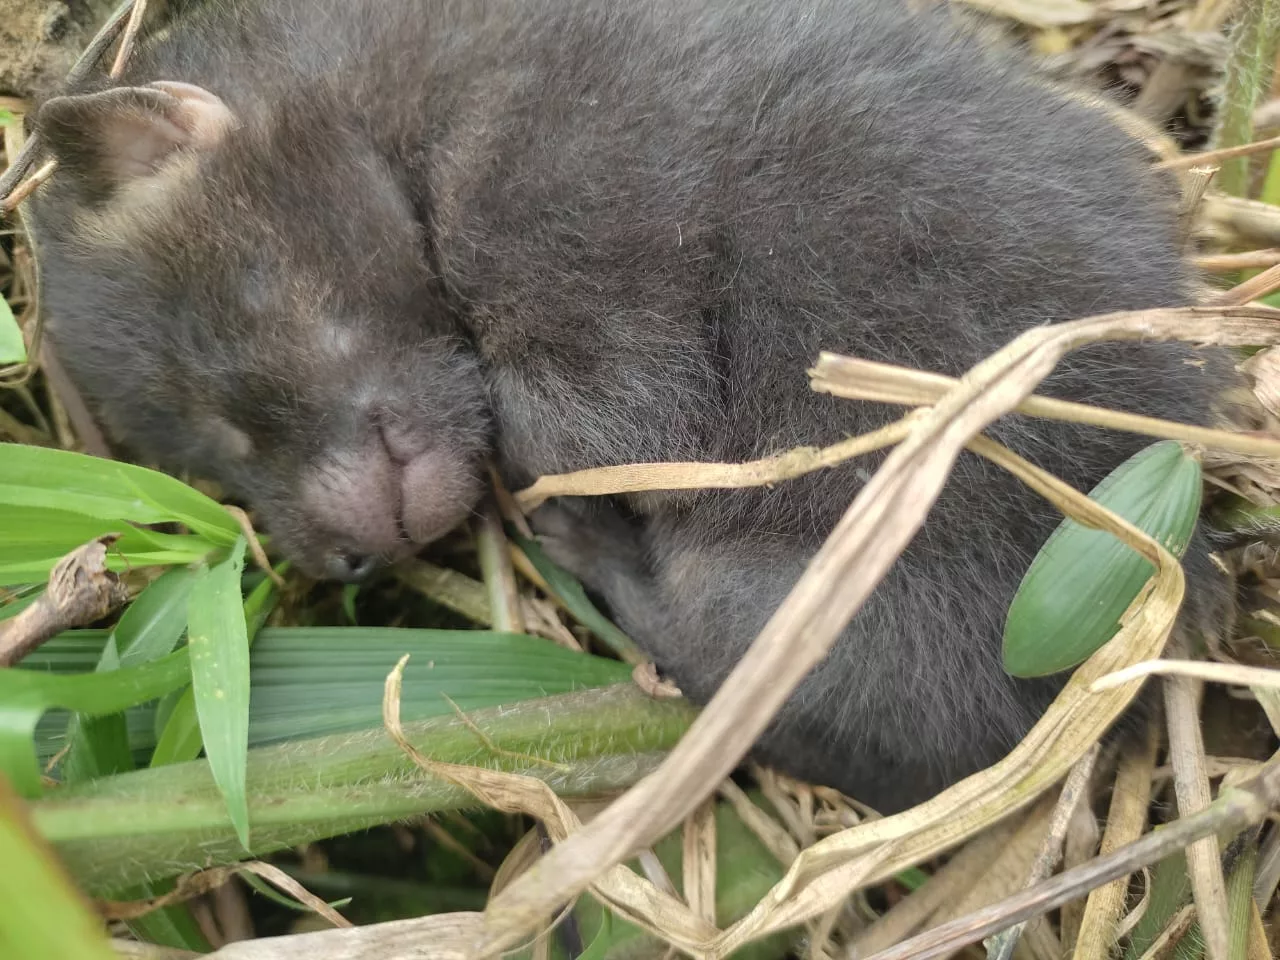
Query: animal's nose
point(350, 567)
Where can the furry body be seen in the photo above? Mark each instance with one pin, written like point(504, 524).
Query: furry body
point(574, 233)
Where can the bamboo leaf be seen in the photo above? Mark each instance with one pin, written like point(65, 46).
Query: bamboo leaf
point(51, 479)
point(12, 347)
point(1080, 584)
point(219, 643)
point(32, 886)
point(26, 694)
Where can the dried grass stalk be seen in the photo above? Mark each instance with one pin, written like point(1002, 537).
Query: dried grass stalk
point(1126, 820)
point(1191, 785)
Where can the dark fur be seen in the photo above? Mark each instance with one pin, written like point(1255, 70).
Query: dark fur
point(579, 233)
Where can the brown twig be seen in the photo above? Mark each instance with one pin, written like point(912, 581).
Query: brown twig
point(131, 29)
point(255, 545)
point(81, 590)
point(1237, 808)
point(1217, 156)
point(1076, 786)
point(1231, 262)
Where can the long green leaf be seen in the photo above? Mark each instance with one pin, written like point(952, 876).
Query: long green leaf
point(12, 347)
point(219, 643)
point(25, 695)
point(63, 480)
point(34, 539)
point(575, 600)
point(180, 739)
point(149, 629)
point(42, 915)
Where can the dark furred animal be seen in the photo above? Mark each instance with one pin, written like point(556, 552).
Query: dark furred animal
point(345, 250)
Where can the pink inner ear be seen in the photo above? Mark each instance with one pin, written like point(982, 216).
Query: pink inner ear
point(203, 115)
point(137, 143)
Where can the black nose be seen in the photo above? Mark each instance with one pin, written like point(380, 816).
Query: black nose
point(350, 567)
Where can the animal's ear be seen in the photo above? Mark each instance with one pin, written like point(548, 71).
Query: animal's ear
point(110, 138)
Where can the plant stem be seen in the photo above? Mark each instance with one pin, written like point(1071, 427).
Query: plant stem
point(149, 824)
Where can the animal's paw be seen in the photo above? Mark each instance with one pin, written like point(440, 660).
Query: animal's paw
point(591, 541)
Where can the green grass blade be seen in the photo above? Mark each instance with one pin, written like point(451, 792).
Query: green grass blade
point(25, 695)
point(180, 738)
point(219, 643)
point(149, 629)
point(34, 539)
point(41, 913)
point(312, 681)
point(12, 347)
point(575, 600)
point(60, 479)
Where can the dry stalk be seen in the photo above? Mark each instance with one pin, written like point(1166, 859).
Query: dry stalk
point(1231, 262)
point(699, 861)
point(1233, 673)
point(946, 886)
point(1244, 220)
point(447, 587)
point(196, 884)
point(1191, 785)
point(1252, 289)
point(499, 576)
point(636, 477)
point(857, 379)
point(1234, 810)
point(1050, 853)
point(1126, 821)
point(131, 28)
point(443, 936)
point(1217, 156)
point(1084, 835)
point(883, 518)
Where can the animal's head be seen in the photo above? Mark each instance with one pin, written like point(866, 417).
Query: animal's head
point(250, 300)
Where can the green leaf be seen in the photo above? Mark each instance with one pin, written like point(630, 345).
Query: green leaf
point(33, 540)
point(41, 912)
point(12, 347)
point(1080, 584)
point(26, 694)
point(134, 826)
point(575, 600)
point(180, 737)
point(108, 490)
point(310, 681)
point(149, 629)
point(219, 643)
point(18, 597)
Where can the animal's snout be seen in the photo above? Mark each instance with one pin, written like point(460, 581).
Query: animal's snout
point(381, 500)
point(350, 567)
